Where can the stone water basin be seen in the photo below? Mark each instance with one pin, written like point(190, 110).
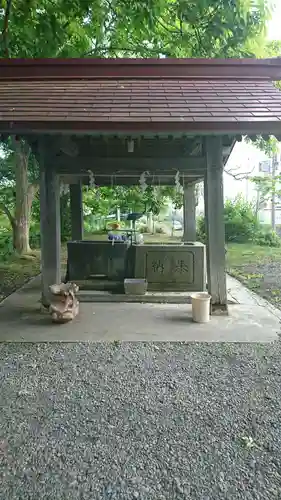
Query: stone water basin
point(170, 266)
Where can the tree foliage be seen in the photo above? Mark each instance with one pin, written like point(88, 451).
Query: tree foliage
point(269, 145)
point(177, 28)
point(173, 28)
point(105, 200)
point(69, 28)
point(217, 28)
point(267, 187)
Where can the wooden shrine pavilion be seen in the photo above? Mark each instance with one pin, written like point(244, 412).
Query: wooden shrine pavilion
point(119, 118)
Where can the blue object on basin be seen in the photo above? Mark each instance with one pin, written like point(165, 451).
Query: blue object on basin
point(116, 237)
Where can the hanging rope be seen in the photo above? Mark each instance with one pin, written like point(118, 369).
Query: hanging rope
point(63, 189)
point(92, 182)
point(142, 181)
point(179, 188)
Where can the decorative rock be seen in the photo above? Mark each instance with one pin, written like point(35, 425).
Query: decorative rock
point(64, 305)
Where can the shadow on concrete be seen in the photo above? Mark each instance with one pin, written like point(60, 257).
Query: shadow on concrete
point(24, 291)
point(179, 318)
point(33, 287)
point(25, 315)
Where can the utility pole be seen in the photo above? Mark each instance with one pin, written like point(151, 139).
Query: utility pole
point(273, 197)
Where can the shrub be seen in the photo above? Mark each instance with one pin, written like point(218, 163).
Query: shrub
point(34, 238)
point(241, 222)
point(6, 243)
point(88, 227)
point(267, 237)
point(201, 229)
point(65, 218)
point(241, 225)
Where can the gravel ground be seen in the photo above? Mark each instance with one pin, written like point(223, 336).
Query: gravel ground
point(264, 279)
point(140, 421)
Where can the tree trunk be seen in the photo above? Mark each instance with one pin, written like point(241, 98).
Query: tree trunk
point(24, 197)
point(21, 223)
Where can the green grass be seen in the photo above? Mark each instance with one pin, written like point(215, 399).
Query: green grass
point(15, 271)
point(245, 262)
point(247, 254)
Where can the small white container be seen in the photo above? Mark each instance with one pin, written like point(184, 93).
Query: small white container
point(139, 239)
point(201, 307)
point(135, 286)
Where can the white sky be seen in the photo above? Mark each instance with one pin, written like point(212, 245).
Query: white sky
point(274, 28)
point(244, 159)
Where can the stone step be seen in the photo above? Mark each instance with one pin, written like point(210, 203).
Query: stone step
point(149, 297)
point(102, 285)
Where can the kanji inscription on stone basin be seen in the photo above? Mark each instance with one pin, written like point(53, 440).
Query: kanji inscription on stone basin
point(170, 266)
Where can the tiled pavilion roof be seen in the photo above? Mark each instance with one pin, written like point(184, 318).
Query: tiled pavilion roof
point(195, 97)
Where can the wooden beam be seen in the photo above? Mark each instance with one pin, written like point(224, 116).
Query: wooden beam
point(214, 217)
point(111, 165)
point(108, 146)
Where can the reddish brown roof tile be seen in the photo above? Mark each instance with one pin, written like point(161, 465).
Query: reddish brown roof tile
point(225, 104)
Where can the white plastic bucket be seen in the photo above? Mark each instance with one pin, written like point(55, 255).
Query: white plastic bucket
point(201, 307)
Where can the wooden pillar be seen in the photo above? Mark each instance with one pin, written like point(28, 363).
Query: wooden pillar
point(189, 212)
point(76, 209)
point(50, 227)
point(214, 219)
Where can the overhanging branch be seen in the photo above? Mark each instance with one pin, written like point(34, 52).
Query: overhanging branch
point(239, 176)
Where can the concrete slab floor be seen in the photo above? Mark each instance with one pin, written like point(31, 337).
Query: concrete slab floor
point(22, 321)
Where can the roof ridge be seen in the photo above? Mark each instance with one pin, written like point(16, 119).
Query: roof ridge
point(91, 68)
